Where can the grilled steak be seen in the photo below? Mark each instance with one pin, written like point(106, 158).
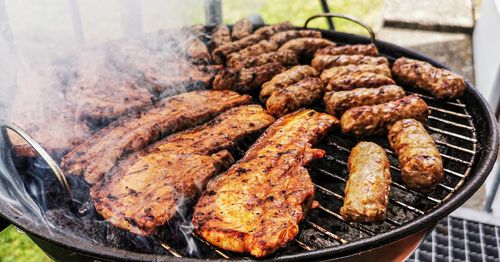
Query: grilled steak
point(282, 37)
point(357, 80)
point(99, 153)
point(143, 191)
point(322, 62)
point(247, 79)
point(368, 50)
point(257, 204)
point(285, 79)
point(339, 71)
point(242, 28)
point(285, 58)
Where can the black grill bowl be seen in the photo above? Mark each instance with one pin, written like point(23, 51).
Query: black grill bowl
point(65, 246)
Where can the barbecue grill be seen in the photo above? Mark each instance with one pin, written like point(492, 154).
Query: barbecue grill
point(465, 132)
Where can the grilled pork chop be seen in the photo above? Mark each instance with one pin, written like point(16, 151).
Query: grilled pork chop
point(99, 153)
point(257, 204)
point(144, 190)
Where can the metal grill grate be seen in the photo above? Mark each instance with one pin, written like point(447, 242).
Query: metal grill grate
point(456, 239)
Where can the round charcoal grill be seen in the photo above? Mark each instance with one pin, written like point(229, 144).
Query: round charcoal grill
point(465, 132)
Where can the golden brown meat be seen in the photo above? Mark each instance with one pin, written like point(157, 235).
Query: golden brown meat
point(375, 120)
point(421, 164)
point(339, 71)
point(257, 204)
point(242, 28)
point(322, 62)
point(337, 102)
point(285, 79)
point(368, 50)
point(220, 36)
point(286, 58)
point(100, 152)
point(440, 82)
point(247, 79)
point(261, 47)
point(300, 94)
point(306, 47)
point(282, 37)
point(366, 193)
point(145, 190)
point(197, 52)
point(357, 80)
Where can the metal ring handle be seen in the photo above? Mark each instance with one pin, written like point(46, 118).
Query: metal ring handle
point(350, 18)
point(39, 149)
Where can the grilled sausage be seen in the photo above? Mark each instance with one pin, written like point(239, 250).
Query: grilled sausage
point(261, 47)
point(286, 58)
point(366, 193)
point(374, 120)
point(246, 79)
point(285, 79)
point(336, 103)
point(421, 164)
point(441, 83)
point(297, 95)
point(338, 71)
point(282, 37)
point(220, 36)
point(322, 62)
point(242, 28)
point(368, 50)
point(197, 52)
point(304, 47)
point(356, 80)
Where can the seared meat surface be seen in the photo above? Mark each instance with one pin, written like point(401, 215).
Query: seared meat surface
point(197, 51)
point(257, 204)
point(282, 37)
point(366, 193)
point(246, 80)
point(339, 71)
point(242, 28)
point(368, 50)
point(285, 58)
point(144, 190)
point(100, 152)
point(220, 36)
point(305, 47)
point(357, 80)
point(440, 82)
point(261, 47)
point(285, 79)
point(322, 62)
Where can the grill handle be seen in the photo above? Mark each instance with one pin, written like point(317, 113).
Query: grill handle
point(346, 17)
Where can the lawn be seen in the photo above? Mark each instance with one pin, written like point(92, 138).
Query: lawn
point(16, 246)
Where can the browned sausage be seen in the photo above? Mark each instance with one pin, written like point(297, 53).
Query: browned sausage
point(357, 80)
point(375, 120)
point(261, 47)
point(366, 193)
point(242, 28)
point(441, 83)
point(285, 79)
point(322, 62)
point(282, 37)
point(287, 58)
point(338, 71)
point(303, 47)
point(220, 36)
point(421, 164)
point(368, 50)
point(247, 79)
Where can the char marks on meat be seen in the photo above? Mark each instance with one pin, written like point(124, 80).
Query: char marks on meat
point(285, 58)
point(282, 37)
point(367, 50)
point(246, 80)
point(241, 29)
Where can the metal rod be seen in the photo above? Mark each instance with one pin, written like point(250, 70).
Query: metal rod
point(449, 112)
point(326, 232)
point(433, 98)
point(346, 17)
point(450, 122)
point(444, 132)
point(304, 245)
point(354, 225)
point(454, 147)
point(212, 247)
point(326, 9)
point(168, 248)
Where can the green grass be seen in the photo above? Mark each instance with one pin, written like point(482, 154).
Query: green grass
point(17, 247)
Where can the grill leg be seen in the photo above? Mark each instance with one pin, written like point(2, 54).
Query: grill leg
point(491, 196)
point(326, 9)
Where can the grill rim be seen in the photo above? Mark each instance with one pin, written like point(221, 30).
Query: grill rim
point(484, 121)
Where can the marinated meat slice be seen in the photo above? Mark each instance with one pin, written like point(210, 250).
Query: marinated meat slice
point(247, 79)
point(197, 52)
point(145, 190)
point(220, 36)
point(357, 80)
point(337, 102)
point(282, 37)
point(366, 193)
point(220, 54)
point(242, 28)
point(257, 204)
point(301, 94)
point(285, 79)
point(306, 47)
point(339, 71)
point(322, 62)
point(420, 160)
point(285, 58)
point(368, 50)
point(377, 119)
point(261, 47)
point(440, 82)
point(100, 152)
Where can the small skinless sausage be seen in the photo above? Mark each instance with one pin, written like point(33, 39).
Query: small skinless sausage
point(420, 160)
point(304, 47)
point(337, 102)
point(339, 71)
point(286, 58)
point(357, 80)
point(368, 50)
point(285, 79)
point(366, 193)
point(261, 47)
point(220, 36)
point(441, 83)
point(375, 120)
point(242, 28)
point(282, 37)
point(322, 62)
point(247, 79)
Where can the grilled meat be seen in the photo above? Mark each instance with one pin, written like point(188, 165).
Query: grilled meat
point(144, 190)
point(337, 102)
point(305, 47)
point(375, 120)
point(257, 204)
point(220, 36)
point(261, 47)
point(366, 193)
point(242, 28)
point(421, 164)
point(300, 94)
point(285, 58)
point(322, 62)
point(285, 79)
point(339, 71)
point(440, 82)
point(220, 54)
point(247, 79)
point(367, 50)
point(282, 37)
point(357, 80)
point(197, 52)
point(99, 153)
